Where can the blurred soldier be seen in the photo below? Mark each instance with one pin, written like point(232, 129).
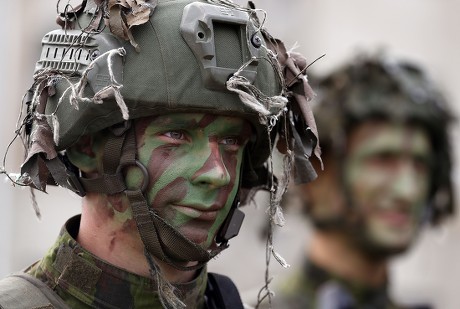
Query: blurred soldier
point(162, 116)
point(386, 173)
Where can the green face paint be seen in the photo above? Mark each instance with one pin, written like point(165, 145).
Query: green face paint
point(194, 163)
point(387, 177)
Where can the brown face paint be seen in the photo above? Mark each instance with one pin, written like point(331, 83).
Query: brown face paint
point(388, 179)
point(118, 203)
point(194, 163)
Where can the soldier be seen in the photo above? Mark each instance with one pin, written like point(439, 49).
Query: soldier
point(162, 115)
point(385, 148)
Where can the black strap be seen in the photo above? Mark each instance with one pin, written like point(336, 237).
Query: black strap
point(221, 293)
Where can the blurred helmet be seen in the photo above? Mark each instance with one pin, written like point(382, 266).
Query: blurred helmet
point(377, 87)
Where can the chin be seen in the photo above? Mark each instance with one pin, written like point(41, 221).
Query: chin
point(379, 252)
point(384, 248)
point(197, 236)
point(386, 235)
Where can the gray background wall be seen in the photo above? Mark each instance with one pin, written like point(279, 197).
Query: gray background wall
point(424, 30)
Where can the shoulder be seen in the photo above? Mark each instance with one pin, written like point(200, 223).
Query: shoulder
point(21, 290)
point(17, 292)
point(222, 292)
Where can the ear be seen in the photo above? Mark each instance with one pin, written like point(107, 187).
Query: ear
point(85, 153)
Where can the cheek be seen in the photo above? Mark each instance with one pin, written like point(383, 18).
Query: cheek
point(365, 184)
point(420, 201)
point(228, 193)
point(362, 180)
point(423, 186)
point(158, 159)
point(166, 170)
point(173, 191)
point(232, 161)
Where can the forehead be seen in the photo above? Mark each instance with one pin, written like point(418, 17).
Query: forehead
point(193, 121)
point(376, 136)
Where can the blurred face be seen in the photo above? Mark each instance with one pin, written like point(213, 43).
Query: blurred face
point(194, 163)
point(387, 177)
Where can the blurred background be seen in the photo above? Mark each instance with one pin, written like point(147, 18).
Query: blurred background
point(425, 31)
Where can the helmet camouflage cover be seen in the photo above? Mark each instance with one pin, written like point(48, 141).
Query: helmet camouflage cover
point(379, 87)
point(114, 61)
point(132, 59)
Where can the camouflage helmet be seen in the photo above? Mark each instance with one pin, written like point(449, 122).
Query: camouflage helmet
point(114, 61)
point(93, 77)
point(379, 87)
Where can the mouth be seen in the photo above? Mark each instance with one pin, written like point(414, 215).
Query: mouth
point(396, 218)
point(198, 212)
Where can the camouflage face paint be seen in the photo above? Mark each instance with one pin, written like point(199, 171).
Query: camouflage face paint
point(112, 211)
point(387, 176)
point(194, 162)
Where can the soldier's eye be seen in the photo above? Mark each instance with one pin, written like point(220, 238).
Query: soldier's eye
point(230, 141)
point(174, 134)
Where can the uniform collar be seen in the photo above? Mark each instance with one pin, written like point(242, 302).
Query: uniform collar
point(91, 280)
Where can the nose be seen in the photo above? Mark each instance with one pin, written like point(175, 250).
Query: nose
point(213, 173)
point(408, 185)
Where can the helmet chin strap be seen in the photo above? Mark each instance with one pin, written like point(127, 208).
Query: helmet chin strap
point(160, 239)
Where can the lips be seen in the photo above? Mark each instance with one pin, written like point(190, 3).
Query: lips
point(396, 218)
point(198, 211)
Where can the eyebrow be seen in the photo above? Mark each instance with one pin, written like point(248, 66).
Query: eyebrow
point(182, 122)
point(185, 123)
point(206, 120)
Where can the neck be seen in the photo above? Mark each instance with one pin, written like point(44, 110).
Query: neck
point(108, 231)
point(332, 252)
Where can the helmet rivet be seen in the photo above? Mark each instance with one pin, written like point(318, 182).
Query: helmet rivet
point(94, 54)
point(256, 41)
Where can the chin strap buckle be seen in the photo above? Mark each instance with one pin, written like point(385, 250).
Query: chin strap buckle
point(231, 226)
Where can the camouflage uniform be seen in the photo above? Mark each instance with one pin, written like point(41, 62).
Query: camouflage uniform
point(209, 57)
point(314, 287)
point(84, 281)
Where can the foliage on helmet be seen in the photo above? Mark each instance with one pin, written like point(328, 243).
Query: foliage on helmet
point(114, 61)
